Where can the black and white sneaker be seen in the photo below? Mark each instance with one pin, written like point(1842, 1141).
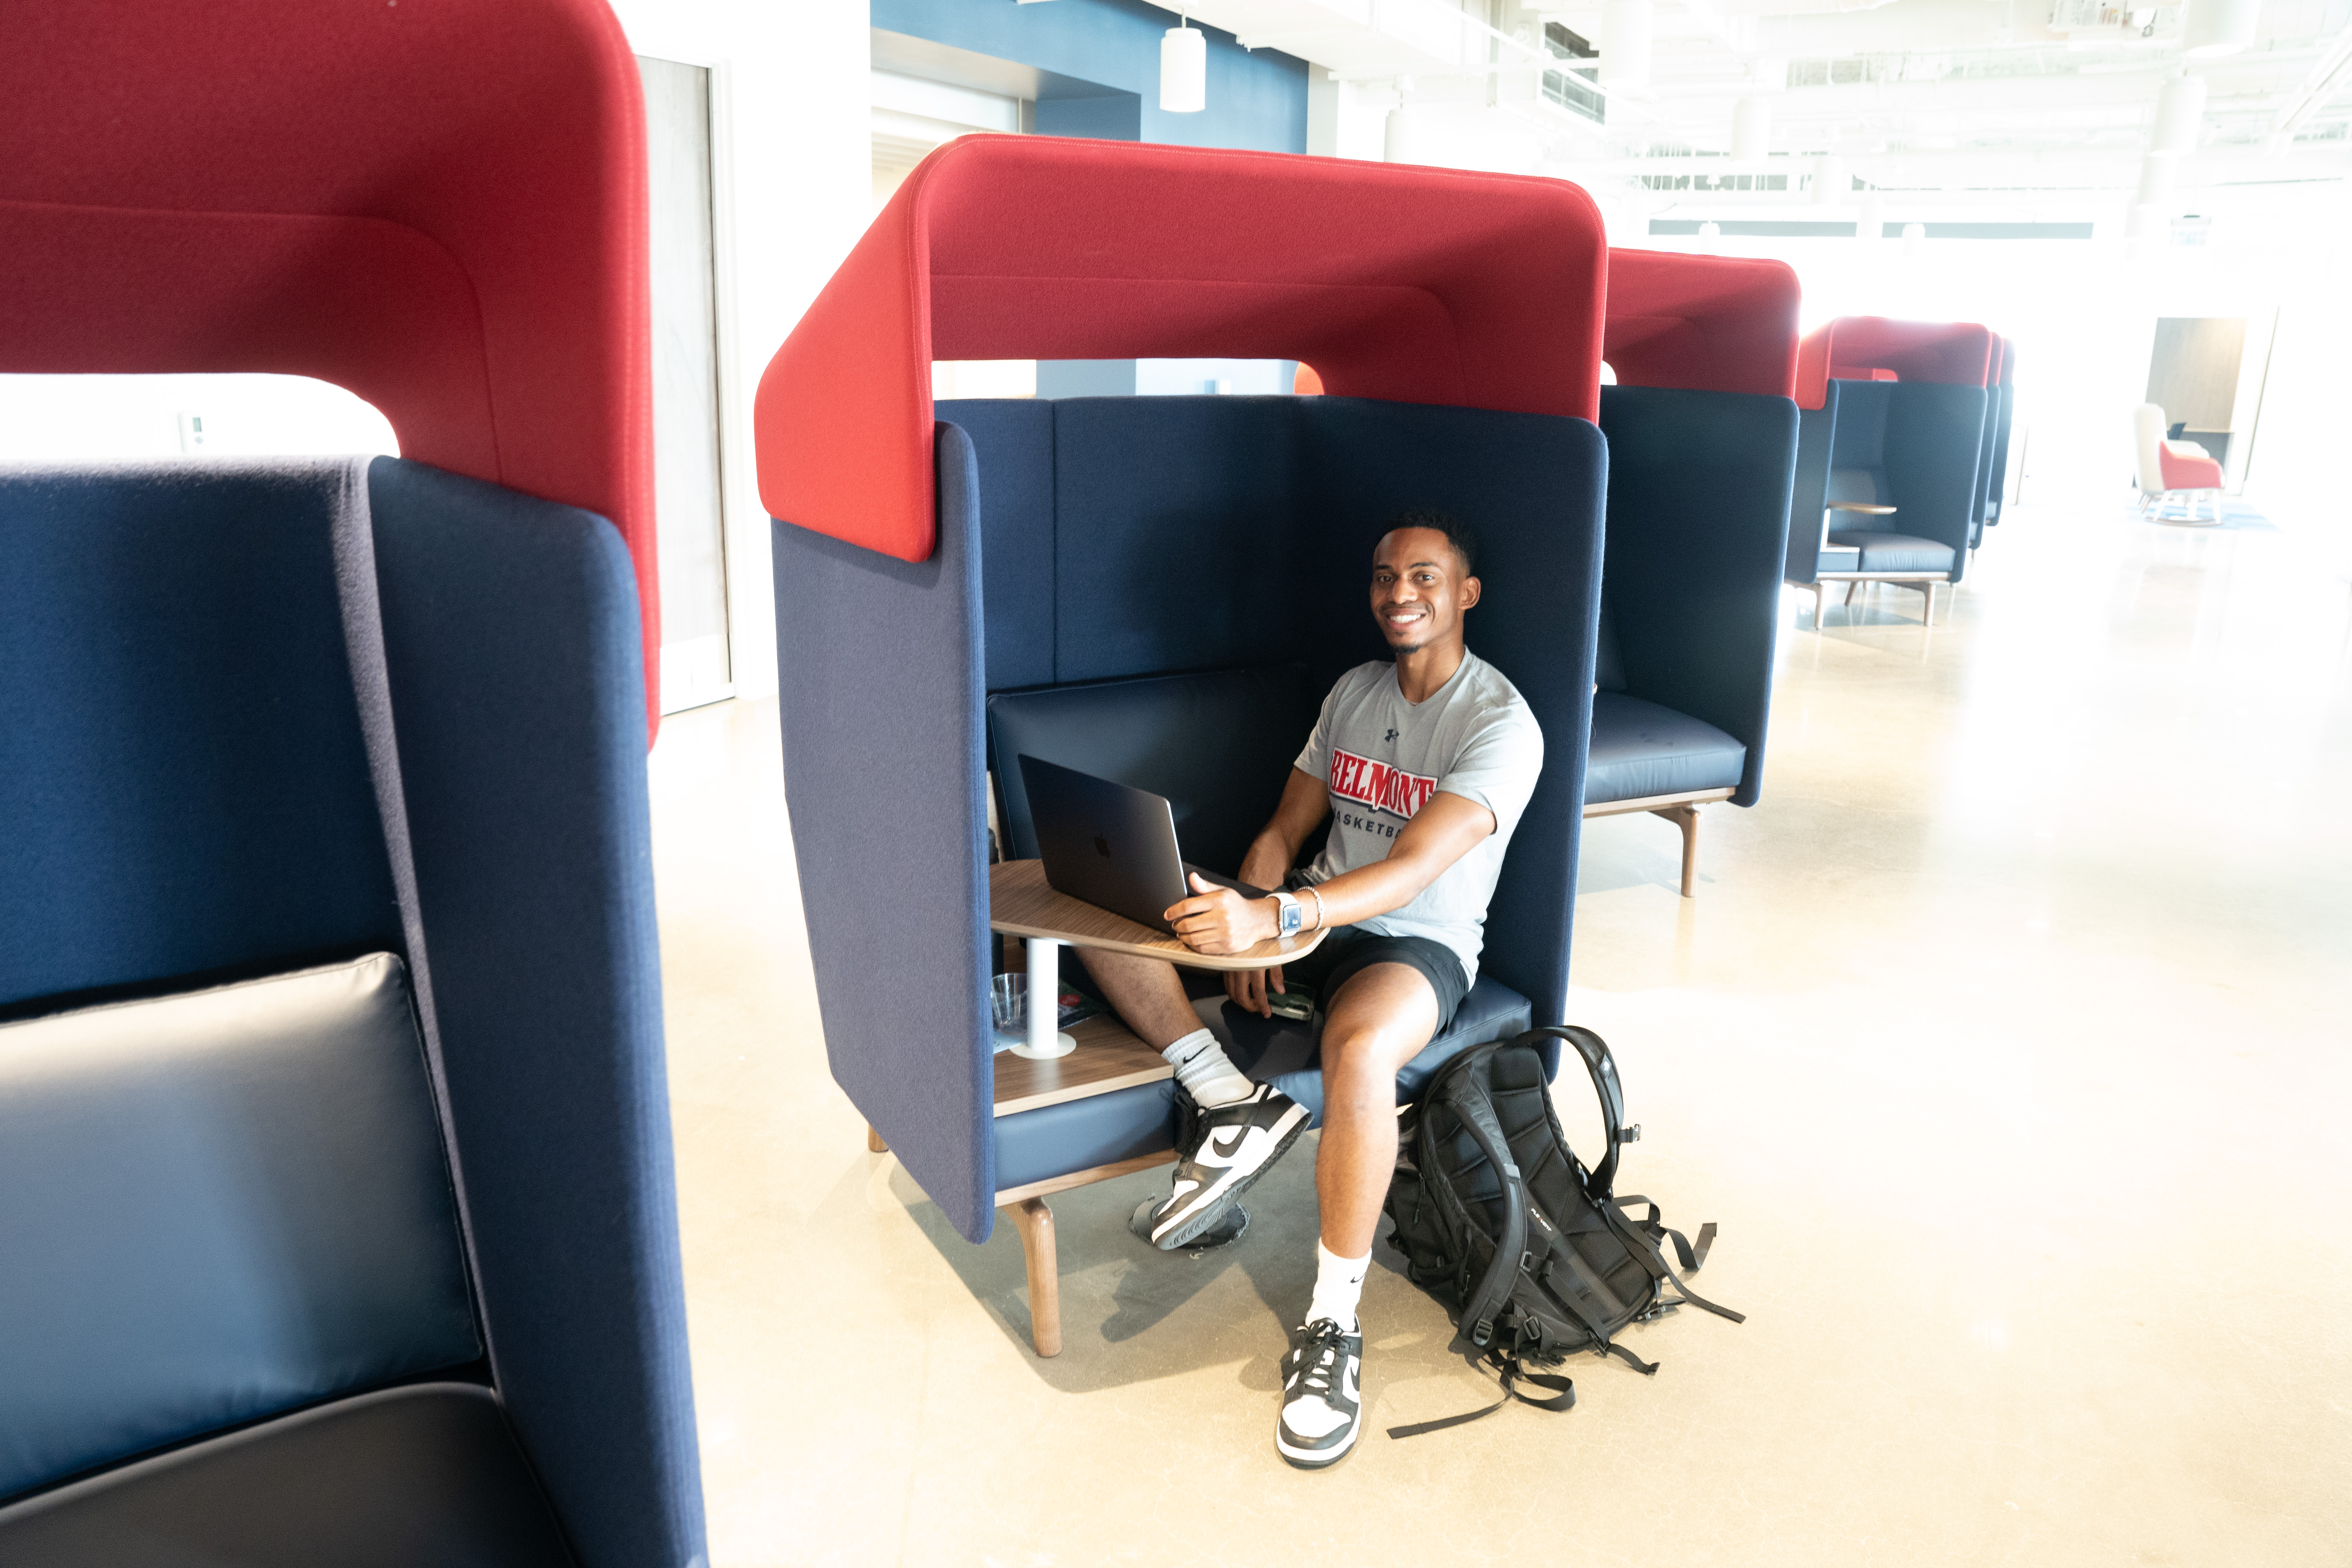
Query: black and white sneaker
point(1321, 1406)
point(1236, 1145)
point(1225, 1233)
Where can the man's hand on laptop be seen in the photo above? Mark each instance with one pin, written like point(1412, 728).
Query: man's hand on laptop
point(1220, 921)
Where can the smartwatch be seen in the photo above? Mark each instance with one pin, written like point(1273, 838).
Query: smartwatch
point(1287, 914)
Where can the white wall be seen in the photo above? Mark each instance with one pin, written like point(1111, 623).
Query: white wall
point(93, 418)
point(793, 172)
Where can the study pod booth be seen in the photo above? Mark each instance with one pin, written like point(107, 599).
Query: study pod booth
point(1702, 436)
point(1154, 590)
point(1889, 448)
point(337, 1220)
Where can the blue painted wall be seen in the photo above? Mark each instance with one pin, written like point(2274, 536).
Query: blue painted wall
point(1256, 99)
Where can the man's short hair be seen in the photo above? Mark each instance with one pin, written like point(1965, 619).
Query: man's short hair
point(1457, 532)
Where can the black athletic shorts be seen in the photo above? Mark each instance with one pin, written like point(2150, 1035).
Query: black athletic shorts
point(1350, 949)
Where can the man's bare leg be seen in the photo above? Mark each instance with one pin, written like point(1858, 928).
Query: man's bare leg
point(1243, 1128)
point(1380, 1019)
point(1145, 993)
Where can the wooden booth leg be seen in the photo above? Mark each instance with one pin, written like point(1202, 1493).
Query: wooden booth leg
point(1927, 618)
point(1686, 818)
point(1035, 1223)
point(874, 1144)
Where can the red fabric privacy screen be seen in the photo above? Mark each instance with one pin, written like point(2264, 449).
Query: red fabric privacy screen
point(1702, 324)
point(1412, 285)
point(439, 205)
point(1952, 354)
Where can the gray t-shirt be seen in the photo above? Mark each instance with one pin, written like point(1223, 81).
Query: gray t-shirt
point(1382, 757)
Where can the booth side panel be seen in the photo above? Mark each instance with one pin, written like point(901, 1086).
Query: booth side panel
point(2003, 408)
point(1808, 490)
point(1933, 438)
point(1533, 487)
point(881, 663)
point(1012, 442)
point(1699, 485)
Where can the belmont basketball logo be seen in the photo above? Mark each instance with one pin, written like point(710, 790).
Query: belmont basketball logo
point(1378, 785)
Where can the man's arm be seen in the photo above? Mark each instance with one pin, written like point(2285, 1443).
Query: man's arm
point(1220, 921)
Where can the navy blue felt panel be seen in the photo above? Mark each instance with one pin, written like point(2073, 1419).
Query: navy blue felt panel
point(1809, 489)
point(1932, 446)
point(1608, 669)
point(2004, 410)
point(1178, 546)
point(217, 1207)
point(1862, 414)
point(512, 642)
point(1013, 439)
point(1987, 439)
point(1699, 491)
point(1641, 749)
point(885, 781)
point(182, 778)
point(1533, 486)
point(425, 1474)
point(1219, 745)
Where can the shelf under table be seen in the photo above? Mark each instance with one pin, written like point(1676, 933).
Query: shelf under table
point(1109, 1057)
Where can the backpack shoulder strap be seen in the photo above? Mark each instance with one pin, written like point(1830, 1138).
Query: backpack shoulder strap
point(1464, 1091)
point(1601, 1068)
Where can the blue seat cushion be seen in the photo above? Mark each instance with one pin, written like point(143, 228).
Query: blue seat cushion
point(1893, 552)
point(1219, 745)
point(1641, 749)
point(429, 1473)
point(239, 1205)
point(1105, 1129)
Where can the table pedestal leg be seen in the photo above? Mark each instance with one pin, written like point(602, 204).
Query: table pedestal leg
point(1045, 1042)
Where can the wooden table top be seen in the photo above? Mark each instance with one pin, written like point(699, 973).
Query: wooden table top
point(1020, 904)
point(1861, 505)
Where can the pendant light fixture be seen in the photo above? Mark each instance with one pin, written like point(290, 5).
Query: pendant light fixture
point(1183, 67)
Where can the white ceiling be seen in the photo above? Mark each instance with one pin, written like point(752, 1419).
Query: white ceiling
point(1962, 99)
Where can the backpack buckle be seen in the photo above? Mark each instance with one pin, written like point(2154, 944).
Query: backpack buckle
point(1630, 1134)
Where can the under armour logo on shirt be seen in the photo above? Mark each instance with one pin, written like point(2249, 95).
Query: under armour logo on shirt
point(1389, 736)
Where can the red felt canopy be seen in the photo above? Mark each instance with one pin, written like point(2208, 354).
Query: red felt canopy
point(1704, 323)
point(437, 205)
point(1952, 354)
point(1414, 285)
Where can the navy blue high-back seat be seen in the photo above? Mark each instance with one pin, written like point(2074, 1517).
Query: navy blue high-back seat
point(279, 1283)
point(1914, 445)
point(1105, 564)
point(1698, 507)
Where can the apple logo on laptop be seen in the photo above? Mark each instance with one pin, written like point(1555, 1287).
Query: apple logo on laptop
point(1102, 846)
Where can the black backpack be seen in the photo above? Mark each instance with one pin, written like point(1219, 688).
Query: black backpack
point(1531, 1255)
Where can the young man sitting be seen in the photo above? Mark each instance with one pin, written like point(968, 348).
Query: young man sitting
point(1427, 763)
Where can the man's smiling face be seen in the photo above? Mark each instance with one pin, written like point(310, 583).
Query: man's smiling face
point(1419, 588)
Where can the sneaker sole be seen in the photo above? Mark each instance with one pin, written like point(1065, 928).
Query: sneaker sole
point(1318, 1458)
point(1220, 1199)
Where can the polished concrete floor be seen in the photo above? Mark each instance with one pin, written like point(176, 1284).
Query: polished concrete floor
point(2006, 1039)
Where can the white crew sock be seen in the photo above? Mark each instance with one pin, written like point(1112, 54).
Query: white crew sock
point(1339, 1286)
point(1207, 1076)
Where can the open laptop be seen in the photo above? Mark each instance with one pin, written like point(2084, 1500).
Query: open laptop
point(1111, 845)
